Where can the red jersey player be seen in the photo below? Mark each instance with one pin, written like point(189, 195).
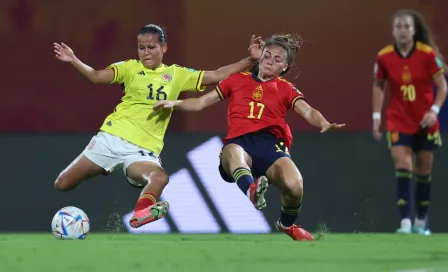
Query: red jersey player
point(258, 137)
point(411, 66)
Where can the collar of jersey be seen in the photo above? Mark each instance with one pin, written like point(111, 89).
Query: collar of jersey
point(408, 55)
point(255, 77)
point(161, 66)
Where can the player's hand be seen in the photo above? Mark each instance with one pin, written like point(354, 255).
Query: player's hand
point(256, 47)
point(330, 127)
point(63, 52)
point(164, 104)
point(376, 129)
point(429, 119)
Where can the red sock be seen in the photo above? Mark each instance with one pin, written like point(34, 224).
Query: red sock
point(144, 201)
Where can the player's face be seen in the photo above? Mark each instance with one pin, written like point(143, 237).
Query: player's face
point(403, 29)
point(273, 61)
point(150, 51)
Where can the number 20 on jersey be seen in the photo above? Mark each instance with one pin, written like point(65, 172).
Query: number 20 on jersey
point(408, 92)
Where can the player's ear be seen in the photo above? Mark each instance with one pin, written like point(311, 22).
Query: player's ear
point(164, 48)
point(285, 67)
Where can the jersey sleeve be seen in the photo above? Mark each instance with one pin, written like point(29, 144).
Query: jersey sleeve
point(191, 79)
point(223, 88)
point(436, 65)
point(121, 71)
point(294, 95)
point(379, 69)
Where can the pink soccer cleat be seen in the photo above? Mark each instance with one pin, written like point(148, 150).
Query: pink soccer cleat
point(150, 214)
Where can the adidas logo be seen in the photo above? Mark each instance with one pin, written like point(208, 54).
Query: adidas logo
point(220, 208)
point(141, 73)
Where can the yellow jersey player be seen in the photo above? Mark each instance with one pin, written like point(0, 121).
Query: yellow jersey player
point(132, 136)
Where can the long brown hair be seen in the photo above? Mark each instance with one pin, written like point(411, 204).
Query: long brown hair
point(290, 42)
point(423, 32)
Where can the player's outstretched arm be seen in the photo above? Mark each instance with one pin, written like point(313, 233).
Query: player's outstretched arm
point(190, 104)
point(65, 54)
point(214, 77)
point(314, 117)
point(377, 104)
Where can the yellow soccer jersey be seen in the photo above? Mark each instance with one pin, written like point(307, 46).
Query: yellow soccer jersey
point(134, 118)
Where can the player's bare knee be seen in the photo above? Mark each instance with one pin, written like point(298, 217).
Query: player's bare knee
point(233, 152)
point(403, 165)
point(423, 169)
point(294, 187)
point(234, 155)
point(159, 178)
point(402, 158)
point(403, 162)
point(423, 164)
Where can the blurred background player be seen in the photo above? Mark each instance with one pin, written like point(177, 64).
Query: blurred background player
point(258, 136)
point(133, 134)
point(410, 66)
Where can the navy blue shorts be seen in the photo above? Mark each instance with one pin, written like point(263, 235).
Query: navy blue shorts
point(264, 149)
point(418, 142)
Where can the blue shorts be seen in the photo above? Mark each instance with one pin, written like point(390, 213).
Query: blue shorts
point(418, 142)
point(264, 149)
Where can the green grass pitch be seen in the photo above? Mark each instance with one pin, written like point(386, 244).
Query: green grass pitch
point(224, 253)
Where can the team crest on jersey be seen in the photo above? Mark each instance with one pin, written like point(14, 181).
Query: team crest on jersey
point(406, 76)
point(167, 77)
point(258, 93)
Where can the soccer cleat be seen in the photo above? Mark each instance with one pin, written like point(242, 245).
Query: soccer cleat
point(420, 227)
point(295, 232)
point(150, 214)
point(256, 192)
point(421, 231)
point(405, 226)
point(404, 231)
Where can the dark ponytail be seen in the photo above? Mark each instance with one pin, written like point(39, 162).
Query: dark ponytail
point(154, 29)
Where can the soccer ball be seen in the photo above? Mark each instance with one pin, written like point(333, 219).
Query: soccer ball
point(70, 223)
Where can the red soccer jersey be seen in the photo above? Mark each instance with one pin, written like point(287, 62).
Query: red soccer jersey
point(410, 85)
point(255, 105)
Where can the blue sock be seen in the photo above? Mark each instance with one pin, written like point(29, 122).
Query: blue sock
point(422, 195)
point(403, 192)
point(289, 215)
point(243, 178)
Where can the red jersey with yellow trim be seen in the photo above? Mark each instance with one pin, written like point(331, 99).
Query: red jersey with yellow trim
point(410, 81)
point(255, 105)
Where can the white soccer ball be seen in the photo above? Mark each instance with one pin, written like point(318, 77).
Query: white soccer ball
point(70, 223)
